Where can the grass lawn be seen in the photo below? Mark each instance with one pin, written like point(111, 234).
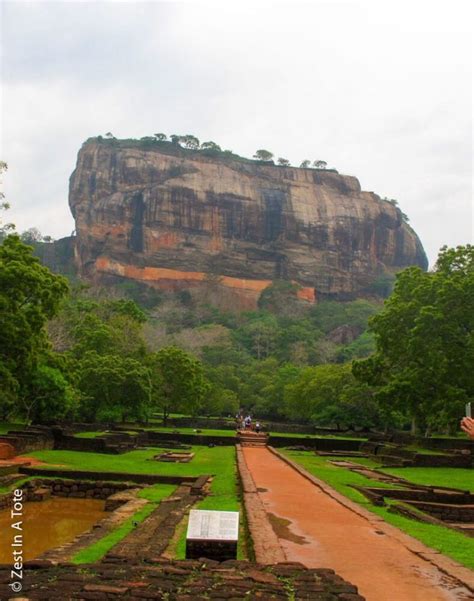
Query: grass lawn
point(446, 541)
point(203, 432)
point(451, 477)
point(332, 436)
point(423, 450)
point(215, 432)
point(219, 461)
point(88, 434)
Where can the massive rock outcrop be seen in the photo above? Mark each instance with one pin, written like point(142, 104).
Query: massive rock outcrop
point(179, 219)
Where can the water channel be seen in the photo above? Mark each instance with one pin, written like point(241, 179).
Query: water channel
point(48, 524)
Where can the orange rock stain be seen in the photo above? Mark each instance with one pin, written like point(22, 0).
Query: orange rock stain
point(172, 279)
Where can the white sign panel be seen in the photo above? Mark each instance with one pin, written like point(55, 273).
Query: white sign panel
point(213, 525)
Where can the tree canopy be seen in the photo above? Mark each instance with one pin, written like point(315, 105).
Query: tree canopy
point(425, 342)
point(178, 381)
point(29, 295)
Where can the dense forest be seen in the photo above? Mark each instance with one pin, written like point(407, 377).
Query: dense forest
point(74, 351)
point(69, 350)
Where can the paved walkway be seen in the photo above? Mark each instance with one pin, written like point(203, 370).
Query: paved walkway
point(317, 530)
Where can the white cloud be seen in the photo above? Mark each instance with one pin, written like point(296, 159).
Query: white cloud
point(380, 90)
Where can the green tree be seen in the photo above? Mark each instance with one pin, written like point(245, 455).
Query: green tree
point(29, 295)
point(5, 228)
point(258, 336)
point(178, 381)
point(190, 142)
point(316, 389)
point(280, 297)
point(283, 162)
point(211, 146)
point(263, 155)
point(305, 164)
point(32, 236)
point(320, 164)
point(329, 395)
point(425, 342)
point(48, 396)
point(107, 327)
point(161, 137)
point(113, 387)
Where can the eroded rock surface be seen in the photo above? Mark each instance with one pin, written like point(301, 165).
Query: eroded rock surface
point(178, 219)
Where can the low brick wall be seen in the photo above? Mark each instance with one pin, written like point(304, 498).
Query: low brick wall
point(77, 489)
point(60, 487)
point(107, 476)
point(111, 443)
point(457, 460)
point(446, 443)
point(446, 513)
point(266, 546)
point(26, 443)
point(71, 443)
point(319, 444)
point(156, 438)
point(421, 494)
point(186, 580)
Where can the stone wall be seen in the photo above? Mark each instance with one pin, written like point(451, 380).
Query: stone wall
point(319, 444)
point(106, 476)
point(78, 489)
point(455, 460)
point(28, 442)
point(189, 580)
point(60, 487)
point(229, 424)
point(446, 512)
point(158, 438)
point(71, 443)
point(447, 443)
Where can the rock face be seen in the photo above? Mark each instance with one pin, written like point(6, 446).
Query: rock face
point(178, 219)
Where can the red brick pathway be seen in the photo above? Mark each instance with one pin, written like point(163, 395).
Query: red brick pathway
point(316, 529)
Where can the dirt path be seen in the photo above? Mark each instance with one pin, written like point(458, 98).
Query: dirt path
point(318, 531)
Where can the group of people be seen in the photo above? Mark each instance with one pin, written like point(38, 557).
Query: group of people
point(245, 423)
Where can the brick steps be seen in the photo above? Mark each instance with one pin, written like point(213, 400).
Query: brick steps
point(447, 512)
point(248, 438)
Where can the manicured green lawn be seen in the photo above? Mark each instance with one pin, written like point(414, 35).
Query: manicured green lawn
point(451, 477)
point(88, 434)
point(216, 460)
point(211, 432)
point(203, 432)
point(446, 541)
point(331, 436)
point(423, 450)
point(219, 461)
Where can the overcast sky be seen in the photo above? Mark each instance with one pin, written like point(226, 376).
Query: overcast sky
point(379, 89)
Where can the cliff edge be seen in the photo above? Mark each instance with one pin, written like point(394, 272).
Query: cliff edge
point(178, 219)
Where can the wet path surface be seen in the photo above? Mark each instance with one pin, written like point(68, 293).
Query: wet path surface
point(318, 531)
